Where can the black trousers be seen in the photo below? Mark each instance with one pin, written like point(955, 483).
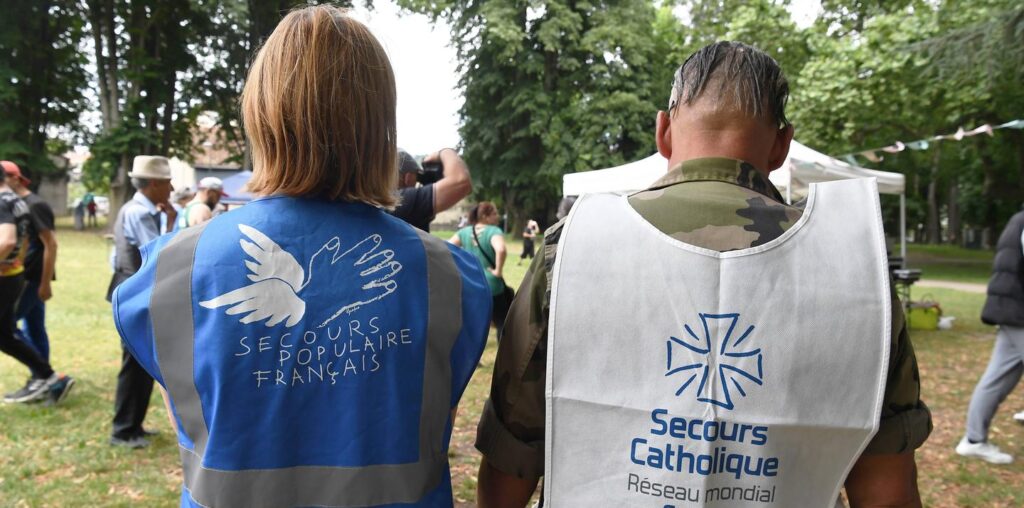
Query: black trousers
point(10, 291)
point(131, 401)
point(500, 304)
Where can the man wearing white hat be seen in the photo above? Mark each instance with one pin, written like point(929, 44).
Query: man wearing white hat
point(138, 222)
point(200, 209)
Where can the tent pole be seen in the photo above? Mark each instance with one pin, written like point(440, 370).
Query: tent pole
point(903, 230)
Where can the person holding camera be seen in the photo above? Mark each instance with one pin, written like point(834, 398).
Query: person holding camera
point(443, 181)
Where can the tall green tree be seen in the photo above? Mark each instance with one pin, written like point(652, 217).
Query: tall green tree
point(142, 50)
point(550, 88)
point(978, 59)
point(881, 72)
point(42, 79)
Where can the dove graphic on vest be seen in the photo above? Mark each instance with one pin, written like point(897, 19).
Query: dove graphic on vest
point(278, 279)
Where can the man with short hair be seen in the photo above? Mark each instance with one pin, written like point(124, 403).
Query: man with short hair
point(657, 385)
point(420, 203)
point(16, 221)
point(40, 262)
point(138, 223)
point(200, 209)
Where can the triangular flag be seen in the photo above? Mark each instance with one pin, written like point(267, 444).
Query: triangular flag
point(1016, 124)
point(918, 145)
point(978, 130)
point(896, 148)
point(871, 156)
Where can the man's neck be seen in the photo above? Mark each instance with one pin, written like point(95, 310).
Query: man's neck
point(5, 188)
point(22, 192)
point(724, 146)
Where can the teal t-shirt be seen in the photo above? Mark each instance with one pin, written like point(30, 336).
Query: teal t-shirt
point(466, 239)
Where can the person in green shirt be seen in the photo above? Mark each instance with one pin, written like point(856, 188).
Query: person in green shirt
point(486, 241)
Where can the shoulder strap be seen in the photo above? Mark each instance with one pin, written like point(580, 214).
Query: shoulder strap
point(490, 259)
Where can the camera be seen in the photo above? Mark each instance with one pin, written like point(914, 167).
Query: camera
point(431, 172)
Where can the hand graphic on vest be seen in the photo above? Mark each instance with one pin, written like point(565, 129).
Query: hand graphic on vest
point(279, 280)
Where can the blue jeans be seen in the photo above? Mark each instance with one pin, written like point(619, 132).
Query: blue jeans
point(33, 311)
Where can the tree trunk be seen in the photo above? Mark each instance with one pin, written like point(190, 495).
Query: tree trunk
point(988, 186)
point(40, 74)
point(933, 231)
point(96, 17)
point(953, 207)
point(1018, 137)
point(168, 121)
point(114, 95)
point(101, 16)
point(264, 16)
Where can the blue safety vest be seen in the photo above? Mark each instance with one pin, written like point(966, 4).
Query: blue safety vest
point(312, 351)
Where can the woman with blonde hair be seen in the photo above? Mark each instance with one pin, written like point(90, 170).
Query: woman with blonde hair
point(313, 348)
point(486, 241)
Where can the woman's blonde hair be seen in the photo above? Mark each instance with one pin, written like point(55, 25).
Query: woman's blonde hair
point(319, 111)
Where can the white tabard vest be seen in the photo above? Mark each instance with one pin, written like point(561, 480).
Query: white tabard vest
point(680, 376)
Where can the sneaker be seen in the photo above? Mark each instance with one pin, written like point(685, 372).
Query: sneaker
point(1019, 417)
point(133, 443)
point(985, 451)
point(35, 389)
point(59, 391)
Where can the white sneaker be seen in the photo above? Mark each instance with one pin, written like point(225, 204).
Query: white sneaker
point(1019, 417)
point(984, 451)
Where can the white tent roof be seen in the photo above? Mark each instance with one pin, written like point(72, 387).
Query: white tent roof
point(806, 166)
point(803, 167)
point(625, 178)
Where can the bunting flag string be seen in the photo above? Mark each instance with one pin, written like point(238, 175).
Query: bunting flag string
point(923, 144)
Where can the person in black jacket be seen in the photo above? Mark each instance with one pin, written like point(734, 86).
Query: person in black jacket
point(1004, 306)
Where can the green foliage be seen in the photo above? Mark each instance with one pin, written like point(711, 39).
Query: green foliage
point(235, 29)
point(174, 60)
point(143, 49)
point(886, 71)
point(551, 88)
point(42, 78)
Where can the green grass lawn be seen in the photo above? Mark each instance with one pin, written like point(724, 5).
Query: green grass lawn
point(59, 456)
point(951, 362)
point(944, 262)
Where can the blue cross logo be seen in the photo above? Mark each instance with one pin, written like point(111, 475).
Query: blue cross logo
point(720, 362)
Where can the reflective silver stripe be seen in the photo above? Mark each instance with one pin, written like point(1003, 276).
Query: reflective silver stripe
point(173, 326)
point(170, 307)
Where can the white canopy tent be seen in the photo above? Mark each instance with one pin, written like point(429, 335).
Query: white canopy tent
point(803, 167)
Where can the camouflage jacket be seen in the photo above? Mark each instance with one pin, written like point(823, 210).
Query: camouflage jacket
point(719, 204)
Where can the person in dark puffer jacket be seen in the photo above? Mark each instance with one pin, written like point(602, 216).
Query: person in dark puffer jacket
point(1004, 307)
